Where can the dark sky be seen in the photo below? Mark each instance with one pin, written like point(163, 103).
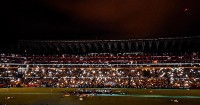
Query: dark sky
point(99, 19)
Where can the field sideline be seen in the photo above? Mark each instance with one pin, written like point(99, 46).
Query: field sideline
point(54, 96)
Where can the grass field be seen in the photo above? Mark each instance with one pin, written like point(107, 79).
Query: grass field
point(53, 96)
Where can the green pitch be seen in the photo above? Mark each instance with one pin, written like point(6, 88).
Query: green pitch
point(54, 96)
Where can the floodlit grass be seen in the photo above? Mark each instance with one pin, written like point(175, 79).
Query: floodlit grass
point(177, 92)
point(171, 92)
point(56, 98)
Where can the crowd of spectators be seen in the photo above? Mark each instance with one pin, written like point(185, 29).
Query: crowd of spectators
point(122, 70)
point(100, 58)
point(101, 77)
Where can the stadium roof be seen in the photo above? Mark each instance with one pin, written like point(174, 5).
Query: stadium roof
point(157, 45)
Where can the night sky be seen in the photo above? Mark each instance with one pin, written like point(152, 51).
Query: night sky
point(98, 19)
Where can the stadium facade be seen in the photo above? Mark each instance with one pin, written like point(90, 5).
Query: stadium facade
point(133, 63)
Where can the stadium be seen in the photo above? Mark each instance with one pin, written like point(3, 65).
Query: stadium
point(142, 71)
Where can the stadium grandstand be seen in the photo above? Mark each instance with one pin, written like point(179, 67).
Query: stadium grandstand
point(132, 63)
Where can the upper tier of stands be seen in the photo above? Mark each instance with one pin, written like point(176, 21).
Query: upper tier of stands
point(156, 45)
